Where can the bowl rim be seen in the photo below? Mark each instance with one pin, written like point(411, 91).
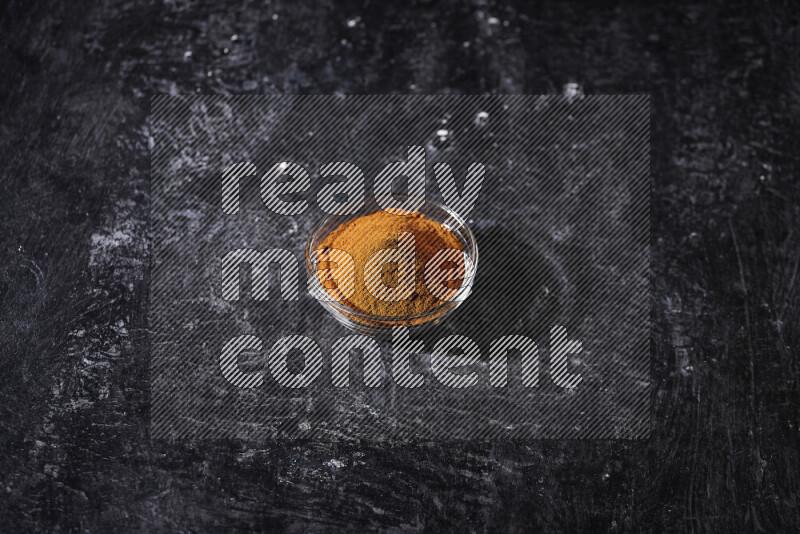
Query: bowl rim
point(445, 306)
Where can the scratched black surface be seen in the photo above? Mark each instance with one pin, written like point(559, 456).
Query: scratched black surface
point(74, 138)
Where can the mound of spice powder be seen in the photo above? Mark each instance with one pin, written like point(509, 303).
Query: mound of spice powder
point(364, 236)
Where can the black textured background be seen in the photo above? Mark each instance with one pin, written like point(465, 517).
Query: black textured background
point(74, 194)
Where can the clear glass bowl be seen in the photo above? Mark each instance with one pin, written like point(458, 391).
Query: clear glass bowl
point(365, 323)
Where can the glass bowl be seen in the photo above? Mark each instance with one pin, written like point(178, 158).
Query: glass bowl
point(365, 323)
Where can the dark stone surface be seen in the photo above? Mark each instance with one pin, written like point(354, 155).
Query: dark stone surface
point(725, 84)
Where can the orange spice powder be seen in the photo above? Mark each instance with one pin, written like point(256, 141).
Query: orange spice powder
point(366, 235)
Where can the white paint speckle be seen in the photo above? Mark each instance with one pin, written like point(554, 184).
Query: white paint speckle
point(573, 91)
point(334, 463)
